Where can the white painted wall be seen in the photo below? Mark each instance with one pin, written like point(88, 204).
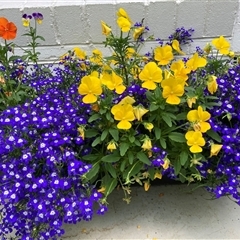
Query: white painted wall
point(77, 22)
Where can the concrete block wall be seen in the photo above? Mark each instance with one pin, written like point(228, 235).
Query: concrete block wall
point(68, 24)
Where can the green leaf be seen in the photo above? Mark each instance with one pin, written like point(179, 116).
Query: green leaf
point(177, 166)
point(151, 172)
point(157, 93)
point(137, 143)
point(123, 165)
point(90, 157)
point(109, 167)
point(163, 143)
point(177, 137)
point(167, 120)
point(96, 141)
point(181, 116)
point(114, 133)
point(214, 135)
point(93, 171)
point(183, 157)
point(109, 117)
point(130, 157)
point(40, 37)
point(132, 170)
point(12, 58)
point(110, 186)
point(150, 96)
point(46, 70)
point(143, 158)
point(157, 132)
point(91, 133)
point(123, 148)
point(131, 139)
point(181, 176)
point(153, 107)
point(94, 117)
point(104, 134)
point(110, 158)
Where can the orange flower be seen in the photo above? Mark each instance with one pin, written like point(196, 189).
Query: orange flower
point(8, 30)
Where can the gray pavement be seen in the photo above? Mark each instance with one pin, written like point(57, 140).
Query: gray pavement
point(164, 212)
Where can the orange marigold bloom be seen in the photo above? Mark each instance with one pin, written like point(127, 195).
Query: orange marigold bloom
point(8, 30)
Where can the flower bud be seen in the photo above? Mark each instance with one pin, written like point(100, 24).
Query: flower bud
point(147, 144)
point(139, 111)
point(111, 146)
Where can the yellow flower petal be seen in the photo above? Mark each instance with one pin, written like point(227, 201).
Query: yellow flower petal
point(215, 148)
point(120, 89)
point(89, 98)
point(124, 124)
point(196, 62)
point(123, 24)
point(175, 46)
point(212, 85)
point(222, 45)
point(195, 149)
point(204, 126)
point(105, 29)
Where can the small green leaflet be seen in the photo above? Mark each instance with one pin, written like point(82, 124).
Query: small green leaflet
point(143, 158)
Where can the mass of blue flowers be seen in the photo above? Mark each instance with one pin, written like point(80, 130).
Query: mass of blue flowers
point(41, 172)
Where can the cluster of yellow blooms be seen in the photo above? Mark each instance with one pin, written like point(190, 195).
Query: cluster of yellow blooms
point(172, 81)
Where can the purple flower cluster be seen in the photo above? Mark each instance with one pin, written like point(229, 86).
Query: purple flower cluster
point(41, 173)
point(225, 168)
point(183, 35)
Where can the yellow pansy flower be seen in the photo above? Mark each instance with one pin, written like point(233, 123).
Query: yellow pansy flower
point(122, 13)
point(124, 114)
point(180, 70)
point(26, 22)
point(105, 29)
point(123, 24)
point(139, 111)
point(199, 117)
point(79, 53)
point(222, 45)
point(212, 85)
point(215, 148)
point(196, 62)
point(176, 47)
point(97, 57)
point(150, 75)
point(90, 87)
point(163, 55)
point(137, 32)
point(113, 82)
point(195, 140)
point(172, 90)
